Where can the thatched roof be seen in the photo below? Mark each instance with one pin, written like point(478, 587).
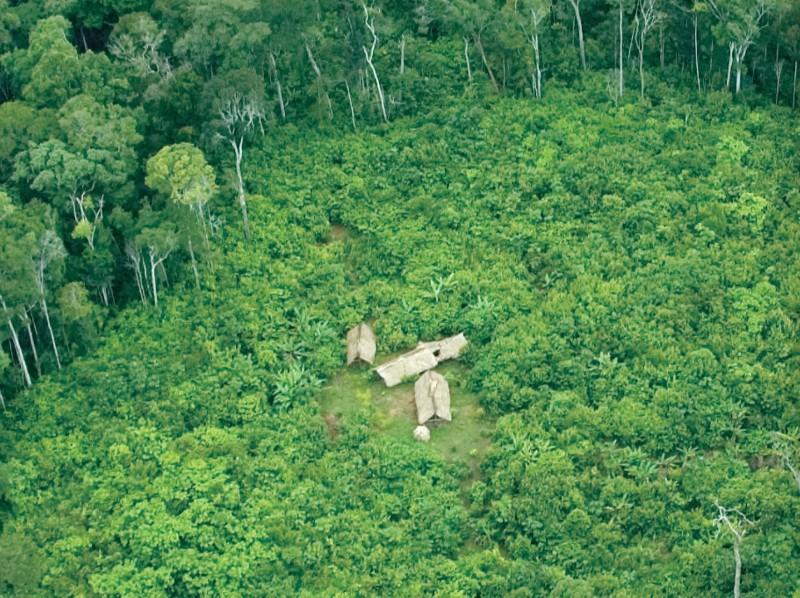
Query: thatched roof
point(408, 364)
point(425, 357)
point(432, 396)
point(447, 348)
point(361, 344)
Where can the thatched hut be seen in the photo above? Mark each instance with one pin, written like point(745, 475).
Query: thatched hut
point(407, 365)
point(432, 396)
point(426, 356)
point(361, 344)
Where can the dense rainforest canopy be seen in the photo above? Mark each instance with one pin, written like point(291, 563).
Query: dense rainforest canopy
point(198, 198)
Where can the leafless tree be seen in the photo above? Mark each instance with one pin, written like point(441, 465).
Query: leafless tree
point(369, 23)
point(647, 17)
point(240, 114)
point(49, 249)
point(734, 523)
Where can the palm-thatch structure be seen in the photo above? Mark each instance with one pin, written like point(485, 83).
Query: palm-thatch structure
point(424, 357)
point(361, 344)
point(407, 365)
point(447, 348)
point(432, 396)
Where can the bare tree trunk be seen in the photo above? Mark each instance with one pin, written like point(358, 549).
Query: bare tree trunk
point(194, 265)
point(238, 149)
point(17, 347)
point(153, 265)
point(661, 45)
point(621, 57)
point(486, 64)
point(696, 56)
point(538, 67)
point(641, 69)
point(369, 54)
point(577, 7)
point(32, 342)
point(466, 56)
point(730, 65)
point(350, 101)
point(738, 77)
point(737, 578)
point(381, 99)
point(278, 87)
point(320, 80)
point(2, 400)
point(794, 86)
point(403, 54)
point(50, 329)
point(135, 259)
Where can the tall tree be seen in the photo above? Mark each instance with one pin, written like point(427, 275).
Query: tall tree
point(472, 20)
point(740, 24)
point(647, 17)
point(181, 172)
point(576, 6)
point(49, 255)
point(236, 100)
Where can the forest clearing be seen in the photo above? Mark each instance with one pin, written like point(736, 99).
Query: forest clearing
point(239, 241)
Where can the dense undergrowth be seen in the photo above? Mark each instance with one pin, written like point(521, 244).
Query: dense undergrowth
point(628, 278)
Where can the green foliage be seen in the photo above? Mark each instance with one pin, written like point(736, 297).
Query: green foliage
point(626, 272)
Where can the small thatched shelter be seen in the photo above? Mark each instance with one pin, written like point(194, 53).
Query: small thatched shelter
point(425, 357)
point(361, 344)
point(408, 364)
point(432, 396)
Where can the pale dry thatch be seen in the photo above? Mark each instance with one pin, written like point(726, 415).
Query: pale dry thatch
point(432, 396)
point(409, 364)
point(424, 357)
point(361, 344)
point(447, 348)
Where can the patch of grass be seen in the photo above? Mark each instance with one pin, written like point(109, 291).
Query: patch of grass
point(392, 410)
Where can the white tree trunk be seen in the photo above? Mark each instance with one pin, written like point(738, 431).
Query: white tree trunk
point(738, 77)
point(381, 100)
point(17, 347)
point(486, 64)
point(737, 578)
point(50, 330)
point(194, 265)
point(32, 342)
point(153, 265)
point(350, 101)
point(320, 80)
point(466, 56)
point(538, 67)
point(730, 65)
point(278, 87)
point(621, 57)
point(576, 5)
point(403, 55)
point(696, 56)
point(238, 151)
point(794, 86)
point(641, 69)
